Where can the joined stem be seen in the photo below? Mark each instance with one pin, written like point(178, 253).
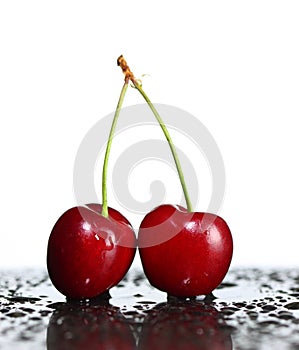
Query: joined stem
point(108, 148)
point(129, 76)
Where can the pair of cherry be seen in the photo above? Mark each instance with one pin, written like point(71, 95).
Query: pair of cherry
point(183, 253)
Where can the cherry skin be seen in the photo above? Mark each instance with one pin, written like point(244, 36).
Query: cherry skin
point(184, 254)
point(89, 253)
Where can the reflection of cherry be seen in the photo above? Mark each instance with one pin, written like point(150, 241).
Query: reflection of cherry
point(89, 327)
point(184, 326)
point(91, 248)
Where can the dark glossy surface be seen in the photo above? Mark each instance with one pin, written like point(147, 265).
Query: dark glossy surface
point(253, 309)
point(184, 254)
point(87, 253)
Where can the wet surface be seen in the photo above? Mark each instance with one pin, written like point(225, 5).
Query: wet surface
point(252, 309)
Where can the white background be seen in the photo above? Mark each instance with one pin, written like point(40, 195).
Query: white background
point(233, 64)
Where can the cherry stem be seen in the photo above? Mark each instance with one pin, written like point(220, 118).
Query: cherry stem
point(108, 148)
point(171, 145)
point(129, 76)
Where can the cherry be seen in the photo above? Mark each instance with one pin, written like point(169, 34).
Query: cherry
point(89, 253)
point(184, 254)
point(91, 247)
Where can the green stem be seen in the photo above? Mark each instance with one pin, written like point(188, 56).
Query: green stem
point(169, 140)
point(108, 147)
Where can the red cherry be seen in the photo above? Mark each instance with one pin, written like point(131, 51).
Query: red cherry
point(184, 254)
point(89, 253)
